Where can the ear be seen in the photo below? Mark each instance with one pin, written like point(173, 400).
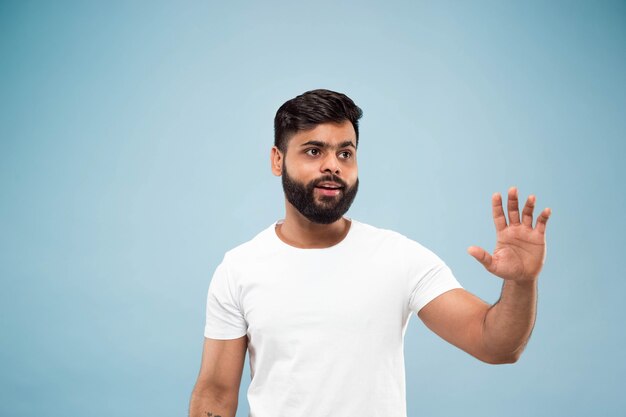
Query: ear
point(276, 160)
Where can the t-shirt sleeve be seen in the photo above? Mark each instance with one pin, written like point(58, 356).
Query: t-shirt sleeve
point(224, 318)
point(431, 278)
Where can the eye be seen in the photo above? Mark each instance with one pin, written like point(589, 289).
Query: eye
point(345, 154)
point(312, 152)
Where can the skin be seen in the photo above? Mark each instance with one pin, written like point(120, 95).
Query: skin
point(494, 333)
point(498, 333)
point(216, 392)
point(306, 161)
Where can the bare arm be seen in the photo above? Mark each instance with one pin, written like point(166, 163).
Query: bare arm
point(216, 393)
point(497, 333)
point(494, 334)
point(509, 323)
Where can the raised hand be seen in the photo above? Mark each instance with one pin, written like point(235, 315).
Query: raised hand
point(520, 249)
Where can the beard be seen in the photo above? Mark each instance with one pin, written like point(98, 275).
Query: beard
point(328, 209)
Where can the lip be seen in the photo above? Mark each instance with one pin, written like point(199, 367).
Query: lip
point(328, 191)
point(329, 184)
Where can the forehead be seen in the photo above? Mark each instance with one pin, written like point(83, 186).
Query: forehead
point(329, 133)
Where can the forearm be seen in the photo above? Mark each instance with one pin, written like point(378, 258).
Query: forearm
point(508, 323)
point(206, 404)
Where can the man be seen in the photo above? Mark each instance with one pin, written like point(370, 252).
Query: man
point(322, 301)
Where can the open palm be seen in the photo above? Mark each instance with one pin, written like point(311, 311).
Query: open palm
point(520, 249)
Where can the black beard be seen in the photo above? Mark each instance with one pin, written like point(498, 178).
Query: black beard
point(331, 209)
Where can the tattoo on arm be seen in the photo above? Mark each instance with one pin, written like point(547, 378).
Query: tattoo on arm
point(210, 414)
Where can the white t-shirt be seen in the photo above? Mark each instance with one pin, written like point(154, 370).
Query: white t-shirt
point(325, 326)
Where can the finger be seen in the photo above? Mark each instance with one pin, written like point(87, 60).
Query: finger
point(481, 256)
point(542, 220)
point(498, 212)
point(527, 213)
point(513, 206)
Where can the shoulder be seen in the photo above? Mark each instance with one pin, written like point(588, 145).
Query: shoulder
point(255, 248)
point(367, 231)
point(393, 241)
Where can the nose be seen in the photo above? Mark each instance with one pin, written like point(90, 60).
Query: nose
point(330, 164)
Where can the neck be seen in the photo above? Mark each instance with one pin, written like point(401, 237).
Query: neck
point(300, 232)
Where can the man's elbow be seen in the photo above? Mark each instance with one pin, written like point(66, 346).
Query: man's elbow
point(216, 395)
point(502, 359)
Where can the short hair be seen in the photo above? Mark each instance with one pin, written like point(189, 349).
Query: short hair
point(313, 108)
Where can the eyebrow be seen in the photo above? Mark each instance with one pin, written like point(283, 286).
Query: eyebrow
point(321, 144)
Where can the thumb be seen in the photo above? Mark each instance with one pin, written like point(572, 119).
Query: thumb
point(481, 256)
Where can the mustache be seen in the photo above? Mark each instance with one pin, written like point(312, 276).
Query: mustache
point(328, 178)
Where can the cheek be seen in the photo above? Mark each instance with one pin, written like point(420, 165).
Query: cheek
point(351, 174)
point(303, 164)
point(301, 170)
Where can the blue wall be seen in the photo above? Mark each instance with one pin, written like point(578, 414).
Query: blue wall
point(134, 151)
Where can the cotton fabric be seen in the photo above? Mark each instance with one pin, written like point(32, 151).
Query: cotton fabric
point(325, 327)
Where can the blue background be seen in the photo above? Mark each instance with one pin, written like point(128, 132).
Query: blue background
point(134, 152)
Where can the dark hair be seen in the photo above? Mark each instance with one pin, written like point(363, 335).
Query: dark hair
point(310, 109)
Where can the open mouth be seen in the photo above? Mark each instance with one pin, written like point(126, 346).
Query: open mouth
point(329, 189)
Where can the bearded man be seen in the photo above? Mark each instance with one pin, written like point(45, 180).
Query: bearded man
point(321, 301)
